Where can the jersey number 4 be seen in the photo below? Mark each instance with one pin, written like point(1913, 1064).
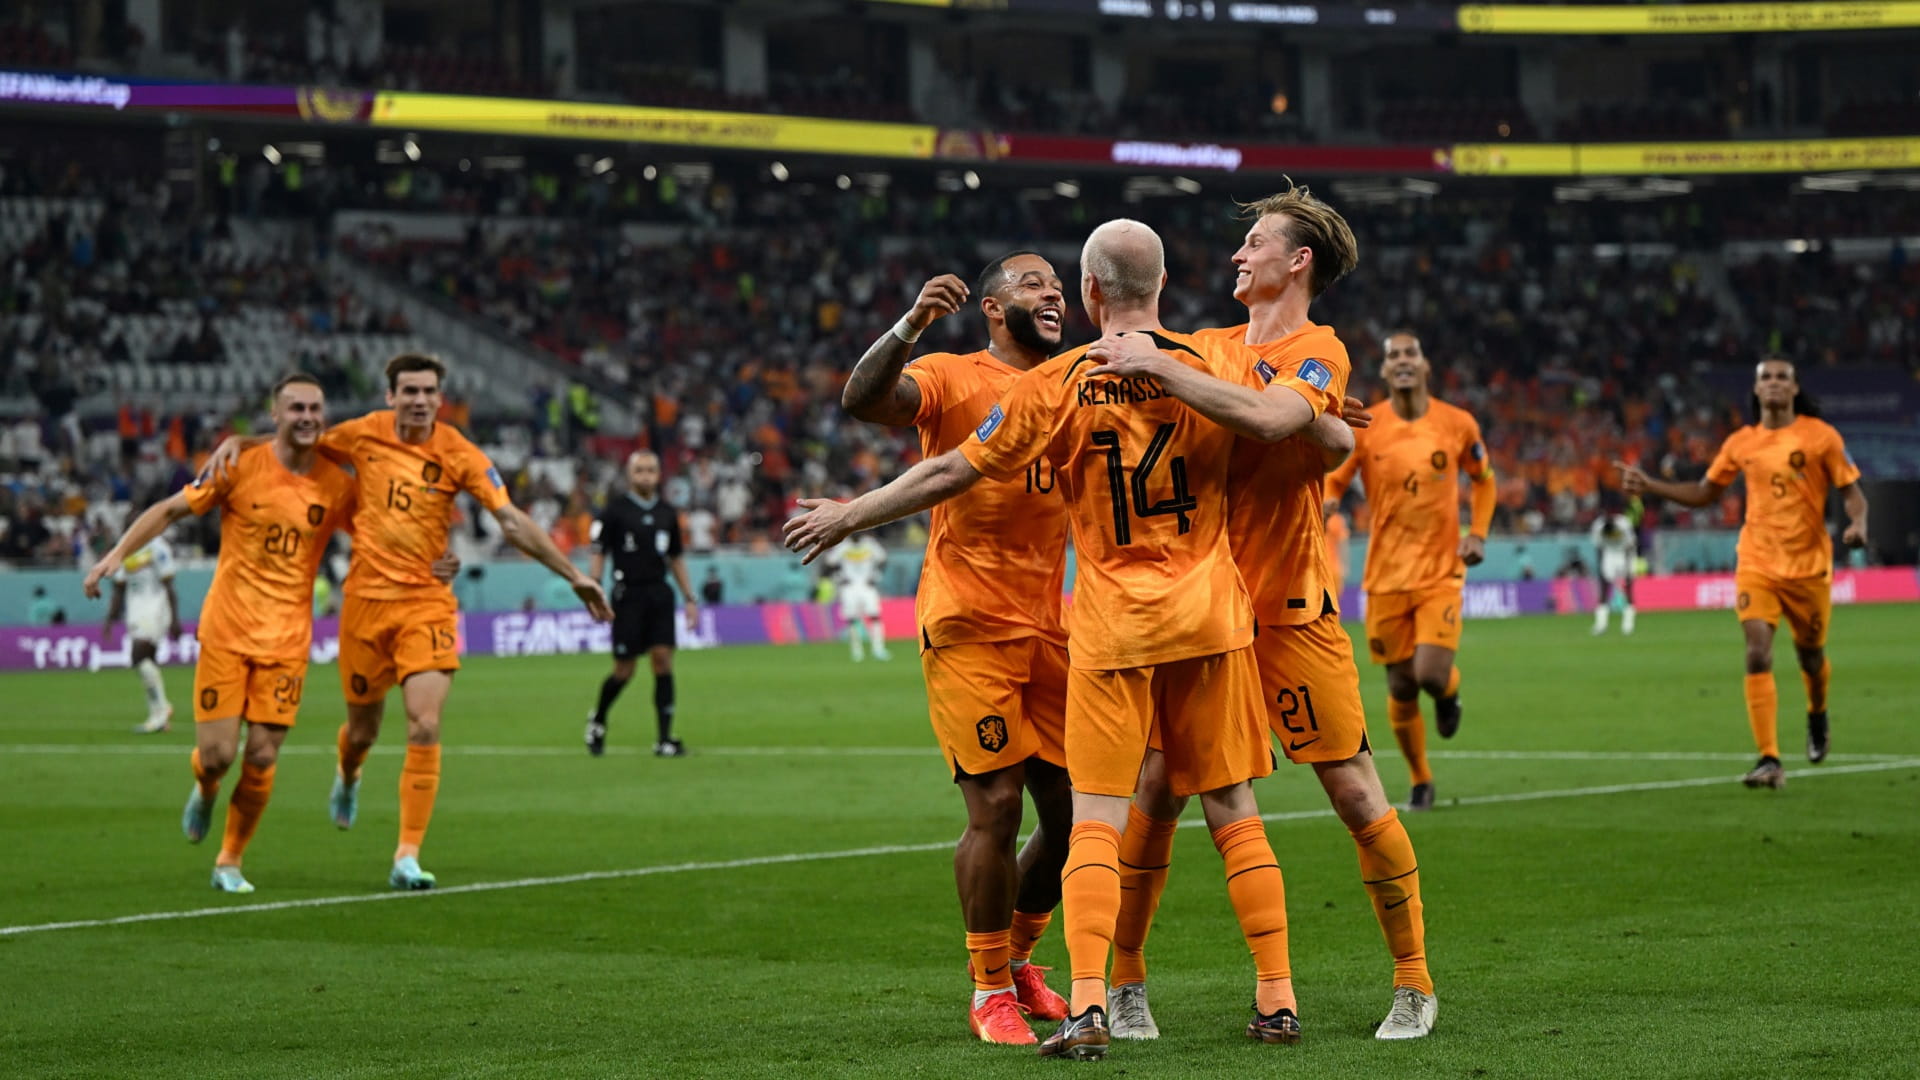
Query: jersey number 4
point(1182, 502)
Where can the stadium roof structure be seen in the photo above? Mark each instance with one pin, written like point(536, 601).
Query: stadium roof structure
point(576, 121)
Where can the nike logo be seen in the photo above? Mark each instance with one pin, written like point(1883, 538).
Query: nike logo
point(1294, 746)
point(1390, 905)
point(991, 972)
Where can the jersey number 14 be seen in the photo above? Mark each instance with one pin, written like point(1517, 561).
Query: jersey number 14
point(1181, 503)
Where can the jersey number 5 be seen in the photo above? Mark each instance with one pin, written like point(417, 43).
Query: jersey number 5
point(1181, 504)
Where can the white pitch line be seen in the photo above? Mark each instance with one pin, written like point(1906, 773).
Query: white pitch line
point(865, 852)
point(164, 749)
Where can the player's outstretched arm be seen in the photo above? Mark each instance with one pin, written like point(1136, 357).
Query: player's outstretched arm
point(875, 392)
point(1854, 501)
point(144, 530)
point(826, 522)
point(220, 463)
point(1696, 493)
point(1267, 415)
point(522, 533)
point(1334, 438)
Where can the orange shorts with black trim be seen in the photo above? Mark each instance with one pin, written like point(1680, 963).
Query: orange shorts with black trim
point(1806, 602)
point(1397, 622)
point(386, 642)
point(1312, 689)
point(1203, 713)
point(997, 703)
point(228, 684)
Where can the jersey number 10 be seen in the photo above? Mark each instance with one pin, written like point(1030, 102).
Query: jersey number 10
point(1182, 503)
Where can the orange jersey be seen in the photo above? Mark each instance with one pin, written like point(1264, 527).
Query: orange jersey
point(997, 554)
point(1789, 471)
point(1145, 483)
point(1337, 536)
point(406, 500)
point(1411, 471)
point(1275, 492)
point(274, 527)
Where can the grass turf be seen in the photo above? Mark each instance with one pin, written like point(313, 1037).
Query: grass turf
point(1675, 930)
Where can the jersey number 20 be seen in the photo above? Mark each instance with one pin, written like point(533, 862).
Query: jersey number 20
point(1182, 502)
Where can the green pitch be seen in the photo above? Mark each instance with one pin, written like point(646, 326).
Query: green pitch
point(1603, 898)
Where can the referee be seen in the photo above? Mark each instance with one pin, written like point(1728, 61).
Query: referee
point(642, 535)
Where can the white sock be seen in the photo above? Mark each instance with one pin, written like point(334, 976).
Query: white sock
point(878, 637)
point(854, 630)
point(1626, 620)
point(1017, 964)
point(1600, 619)
point(980, 996)
point(156, 689)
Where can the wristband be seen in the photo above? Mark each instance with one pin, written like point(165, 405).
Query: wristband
point(905, 331)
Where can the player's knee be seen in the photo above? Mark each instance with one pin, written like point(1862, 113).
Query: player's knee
point(423, 729)
point(622, 670)
point(1402, 686)
point(216, 758)
point(997, 810)
point(1759, 660)
point(661, 660)
point(262, 756)
point(1812, 658)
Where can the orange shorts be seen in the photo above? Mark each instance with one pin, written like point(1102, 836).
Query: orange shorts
point(1397, 622)
point(1203, 713)
point(1312, 689)
point(1806, 602)
point(385, 642)
point(998, 703)
point(227, 684)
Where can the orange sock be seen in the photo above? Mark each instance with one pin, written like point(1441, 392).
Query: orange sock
point(419, 785)
point(1146, 849)
point(1453, 683)
point(1763, 713)
point(209, 781)
point(1410, 731)
point(1025, 934)
point(1391, 875)
point(249, 801)
point(987, 958)
point(1259, 898)
point(351, 756)
point(1090, 897)
point(1817, 686)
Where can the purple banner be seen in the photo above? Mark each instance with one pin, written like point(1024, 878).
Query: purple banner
point(312, 103)
point(1501, 599)
point(567, 633)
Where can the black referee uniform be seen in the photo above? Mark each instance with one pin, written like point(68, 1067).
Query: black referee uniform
point(641, 539)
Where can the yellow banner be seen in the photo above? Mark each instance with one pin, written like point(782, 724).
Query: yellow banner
point(632, 123)
point(1684, 18)
point(1653, 159)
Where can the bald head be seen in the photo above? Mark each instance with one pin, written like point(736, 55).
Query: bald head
point(1128, 261)
point(643, 473)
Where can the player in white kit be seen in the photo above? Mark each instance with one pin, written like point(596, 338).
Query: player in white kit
point(143, 594)
point(1614, 551)
point(856, 573)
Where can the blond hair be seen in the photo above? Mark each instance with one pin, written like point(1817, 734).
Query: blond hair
point(1311, 224)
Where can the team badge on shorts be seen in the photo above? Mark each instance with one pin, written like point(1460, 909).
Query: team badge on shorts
point(1744, 600)
point(209, 698)
point(359, 684)
point(1377, 646)
point(316, 514)
point(992, 731)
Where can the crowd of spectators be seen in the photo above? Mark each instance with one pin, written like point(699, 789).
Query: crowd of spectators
point(735, 335)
